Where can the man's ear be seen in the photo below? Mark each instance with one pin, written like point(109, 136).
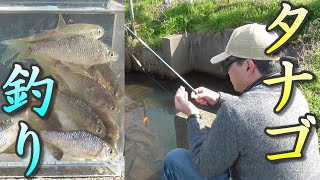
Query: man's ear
point(250, 66)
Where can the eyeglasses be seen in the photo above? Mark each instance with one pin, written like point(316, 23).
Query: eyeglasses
point(228, 62)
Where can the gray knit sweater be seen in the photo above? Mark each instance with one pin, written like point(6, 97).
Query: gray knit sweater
point(237, 140)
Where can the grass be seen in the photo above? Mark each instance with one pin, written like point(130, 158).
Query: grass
point(311, 57)
point(312, 90)
point(204, 16)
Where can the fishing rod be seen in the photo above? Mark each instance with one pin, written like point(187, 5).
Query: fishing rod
point(183, 80)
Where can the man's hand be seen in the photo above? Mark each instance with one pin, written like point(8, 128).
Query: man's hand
point(182, 104)
point(205, 96)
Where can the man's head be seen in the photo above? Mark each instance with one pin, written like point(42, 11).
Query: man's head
point(243, 72)
point(244, 55)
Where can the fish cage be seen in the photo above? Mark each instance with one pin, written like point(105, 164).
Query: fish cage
point(62, 77)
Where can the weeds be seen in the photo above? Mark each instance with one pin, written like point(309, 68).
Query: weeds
point(204, 16)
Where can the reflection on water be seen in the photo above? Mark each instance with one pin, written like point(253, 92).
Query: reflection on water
point(146, 145)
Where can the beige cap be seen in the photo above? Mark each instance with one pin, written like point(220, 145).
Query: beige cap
point(248, 41)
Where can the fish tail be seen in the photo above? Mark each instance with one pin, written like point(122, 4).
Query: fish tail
point(49, 65)
point(11, 42)
point(17, 50)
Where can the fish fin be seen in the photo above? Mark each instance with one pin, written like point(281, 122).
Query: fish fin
point(102, 58)
point(54, 151)
point(9, 54)
point(79, 69)
point(48, 64)
point(86, 66)
point(18, 48)
point(54, 124)
point(11, 41)
point(11, 149)
point(61, 22)
point(108, 121)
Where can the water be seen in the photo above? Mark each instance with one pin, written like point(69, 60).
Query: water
point(25, 18)
point(147, 144)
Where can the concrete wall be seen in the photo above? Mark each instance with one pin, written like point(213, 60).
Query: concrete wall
point(176, 52)
point(150, 63)
point(206, 46)
point(184, 54)
point(191, 52)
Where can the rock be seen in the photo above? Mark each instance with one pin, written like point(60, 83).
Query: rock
point(181, 126)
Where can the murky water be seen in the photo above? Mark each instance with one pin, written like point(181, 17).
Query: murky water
point(147, 142)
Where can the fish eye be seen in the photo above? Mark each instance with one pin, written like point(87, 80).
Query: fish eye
point(113, 108)
point(110, 151)
point(111, 54)
point(98, 130)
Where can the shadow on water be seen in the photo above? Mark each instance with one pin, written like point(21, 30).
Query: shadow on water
point(148, 142)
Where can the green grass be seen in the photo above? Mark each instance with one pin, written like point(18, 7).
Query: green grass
point(204, 16)
point(311, 90)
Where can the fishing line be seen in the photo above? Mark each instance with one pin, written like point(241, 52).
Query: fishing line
point(185, 82)
point(139, 64)
point(177, 74)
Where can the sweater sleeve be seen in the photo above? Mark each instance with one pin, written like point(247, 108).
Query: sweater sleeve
point(215, 152)
point(225, 97)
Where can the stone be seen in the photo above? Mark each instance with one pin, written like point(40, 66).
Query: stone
point(181, 126)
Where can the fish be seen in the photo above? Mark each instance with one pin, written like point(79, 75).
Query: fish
point(8, 136)
point(87, 89)
point(39, 124)
point(61, 31)
point(75, 50)
point(106, 77)
point(111, 126)
point(80, 144)
point(48, 70)
point(145, 119)
point(54, 151)
point(74, 114)
point(52, 123)
point(9, 130)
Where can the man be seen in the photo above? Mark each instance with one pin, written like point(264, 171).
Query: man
point(237, 140)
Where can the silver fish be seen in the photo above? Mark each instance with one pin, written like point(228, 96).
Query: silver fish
point(52, 124)
point(9, 130)
point(74, 49)
point(87, 89)
point(86, 30)
point(8, 136)
point(111, 126)
point(62, 30)
point(80, 144)
point(106, 77)
point(75, 114)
